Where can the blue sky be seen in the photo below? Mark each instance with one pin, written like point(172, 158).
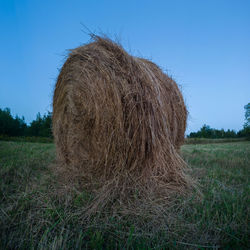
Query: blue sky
point(203, 45)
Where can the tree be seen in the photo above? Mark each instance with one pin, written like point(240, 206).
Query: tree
point(205, 131)
point(247, 115)
point(11, 126)
point(245, 132)
point(41, 126)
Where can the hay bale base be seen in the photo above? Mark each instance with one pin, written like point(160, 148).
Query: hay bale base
point(118, 124)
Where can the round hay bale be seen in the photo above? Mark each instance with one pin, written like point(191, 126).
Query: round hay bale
point(118, 123)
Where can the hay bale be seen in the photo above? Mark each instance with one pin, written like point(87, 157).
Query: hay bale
point(118, 123)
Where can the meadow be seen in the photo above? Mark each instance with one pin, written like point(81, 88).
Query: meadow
point(35, 215)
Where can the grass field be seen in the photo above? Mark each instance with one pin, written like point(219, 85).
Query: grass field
point(34, 215)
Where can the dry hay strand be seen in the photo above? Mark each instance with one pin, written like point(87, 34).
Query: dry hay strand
point(118, 124)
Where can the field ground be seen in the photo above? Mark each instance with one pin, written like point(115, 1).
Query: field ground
point(37, 139)
point(33, 217)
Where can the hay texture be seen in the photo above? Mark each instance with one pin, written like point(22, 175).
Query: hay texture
point(118, 124)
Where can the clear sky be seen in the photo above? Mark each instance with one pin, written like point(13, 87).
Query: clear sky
point(203, 45)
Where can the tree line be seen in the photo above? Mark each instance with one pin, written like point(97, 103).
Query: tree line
point(207, 132)
point(211, 133)
point(42, 127)
point(16, 126)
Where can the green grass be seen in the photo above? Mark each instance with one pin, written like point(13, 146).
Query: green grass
point(219, 140)
point(26, 139)
point(35, 215)
point(50, 140)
